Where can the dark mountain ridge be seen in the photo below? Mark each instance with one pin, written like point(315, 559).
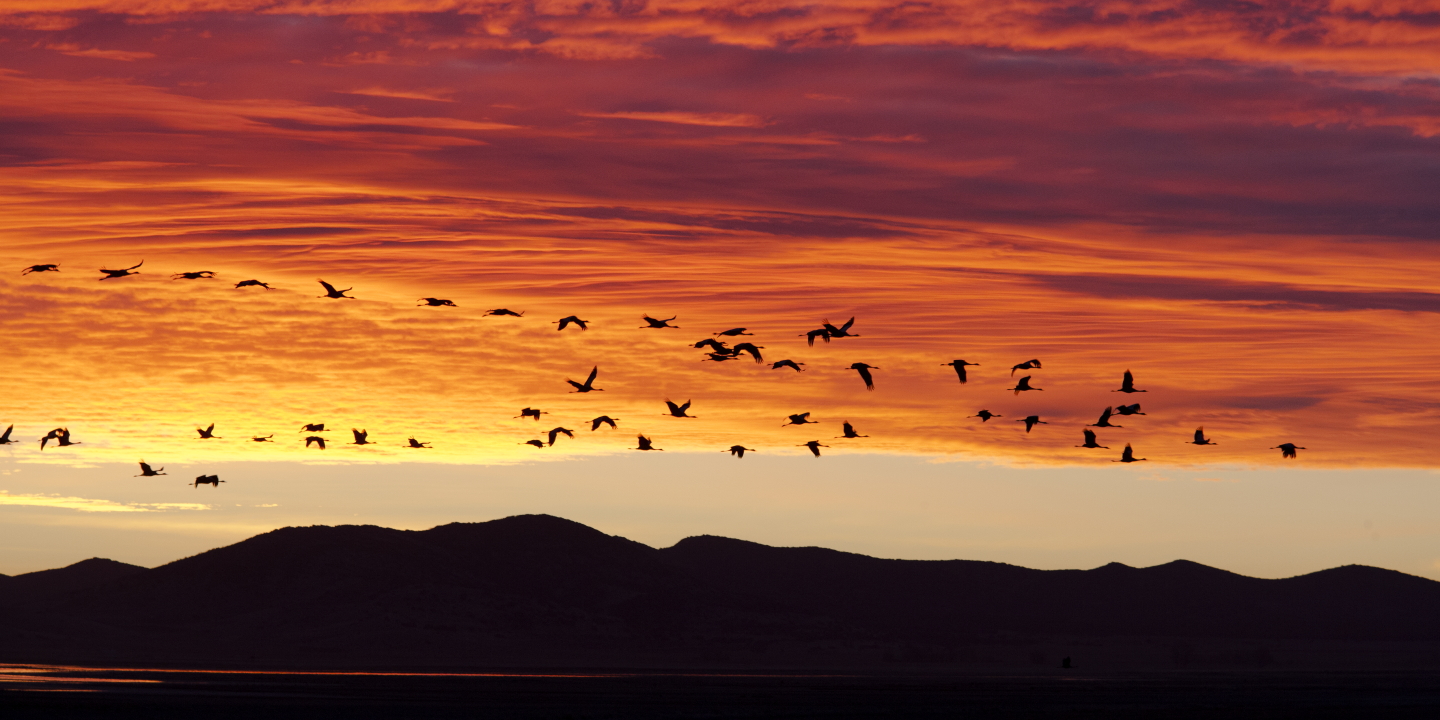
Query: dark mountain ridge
point(539, 590)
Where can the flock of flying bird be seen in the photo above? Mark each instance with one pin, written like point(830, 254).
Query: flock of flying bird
point(717, 350)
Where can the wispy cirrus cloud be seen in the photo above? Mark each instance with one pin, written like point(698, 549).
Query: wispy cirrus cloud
point(92, 505)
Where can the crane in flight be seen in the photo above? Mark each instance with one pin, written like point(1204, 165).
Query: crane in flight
point(1031, 421)
point(678, 410)
point(416, 444)
point(1027, 365)
point(252, 283)
point(732, 332)
point(985, 415)
point(739, 450)
point(959, 366)
point(208, 480)
point(362, 437)
point(751, 348)
point(1104, 420)
point(787, 363)
point(602, 420)
point(436, 302)
point(588, 385)
point(262, 438)
point(814, 446)
point(315, 440)
point(1131, 409)
point(839, 332)
point(207, 433)
point(1200, 438)
point(531, 413)
point(1090, 440)
point(51, 267)
point(801, 419)
point(1023, 385)
point(147, 471)
point(849, 432)
point(821, 333)
point(1127, 384)
point(5, 437)
point(557, 432)
point(332, 293)
point(112, 274)
point(645, 444)
point(864, 373)
point(197, 275)
point(715, 346)
point(1128, 456)
point(1287, 450)
point(313, 427)
point(651, 322)
point(504, 311)
point(568, 319)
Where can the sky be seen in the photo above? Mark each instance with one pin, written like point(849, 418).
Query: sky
point(1234, 201)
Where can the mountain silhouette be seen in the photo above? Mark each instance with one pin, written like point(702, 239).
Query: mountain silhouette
point(537, 590)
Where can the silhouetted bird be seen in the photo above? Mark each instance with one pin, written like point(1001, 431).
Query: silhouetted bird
point(849, 431)
point(821, 333)
point(416, 444)
point(605, 419)
point(839, 332)
point(198, 275)
point(503, 311)
point(1027, 365)
point(147, 471)
point(536, 443)
point(714, 345)
point(266, 438)
point(739, 450)
point(52, 267)
point(800, 419)
point(207, 433)
point(865, 373)
point(787, 363)
point(1287, 450)
point(814, 446)
point(531, 413)
point(1200, 438)
point(556, 432)
point(678, 410)
point(252, 283)
point(112, 274)
point(1090, 440)
point(52, 435)
point(1133, 409)
point(315, 439)
point(1031, 421)
point(589, 384)
point(751, 348)
point(362, 437)
point(721, 357)
point(1104, 420)
point(208, 480)
point(5, 437)
point(1023, 385)
point(64, 439)
point(985, 415)
point(959, 366)
point(651, 322)
point(563, 322)
point(436, 302)
point(732, 332)
point(313, 427)
point(1127, 384)
point(1128, 456)
point(331, 292)
point(645, 444)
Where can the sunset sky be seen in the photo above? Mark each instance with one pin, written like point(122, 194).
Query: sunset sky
point(1235, 201)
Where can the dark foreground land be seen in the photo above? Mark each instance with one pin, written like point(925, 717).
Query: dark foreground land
point(86, 693)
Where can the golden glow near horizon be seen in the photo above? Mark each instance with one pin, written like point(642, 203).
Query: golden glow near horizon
point(1241, 216)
